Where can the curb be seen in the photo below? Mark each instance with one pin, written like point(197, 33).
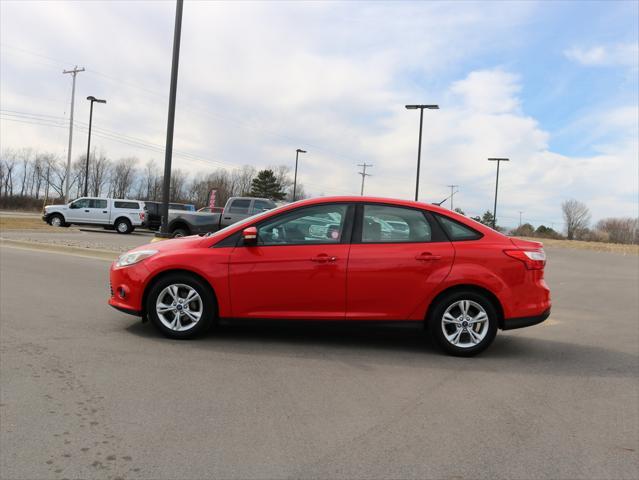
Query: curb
point(63, 249)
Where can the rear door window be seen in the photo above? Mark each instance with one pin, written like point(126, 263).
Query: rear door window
point(97, 203)
point(389, 224)
point(240, 206)
point(260, 206)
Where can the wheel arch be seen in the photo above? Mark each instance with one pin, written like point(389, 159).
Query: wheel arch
point(122, 217)
point(473, 288)
point(165, 273)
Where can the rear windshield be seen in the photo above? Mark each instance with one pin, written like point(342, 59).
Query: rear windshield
point(130, 205)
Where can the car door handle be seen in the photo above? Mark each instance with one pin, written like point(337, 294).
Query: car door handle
point(426, 256)
point(227, 218)
point(86, 211)
point(105, 211)
point(323, 258)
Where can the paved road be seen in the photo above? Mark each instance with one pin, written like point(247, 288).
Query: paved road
point(88, 392)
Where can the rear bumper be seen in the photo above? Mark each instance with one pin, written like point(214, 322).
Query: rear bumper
point(521, 322)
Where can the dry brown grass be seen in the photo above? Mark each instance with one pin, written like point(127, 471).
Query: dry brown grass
point(24, 223)
point(595, 246)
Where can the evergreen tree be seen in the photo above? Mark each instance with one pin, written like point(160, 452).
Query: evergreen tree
point(265, 185)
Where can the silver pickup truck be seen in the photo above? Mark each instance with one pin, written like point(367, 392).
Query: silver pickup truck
point(183, 223)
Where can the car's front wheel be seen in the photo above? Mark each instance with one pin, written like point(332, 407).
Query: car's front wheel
point(181, 306)
point(464, 323)
point(57, 220)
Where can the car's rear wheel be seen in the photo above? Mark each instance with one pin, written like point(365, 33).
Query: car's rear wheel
point(122, 225)
point(181, 306)
point(464, 323)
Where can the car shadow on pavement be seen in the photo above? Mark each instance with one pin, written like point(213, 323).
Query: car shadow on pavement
point(404, 345)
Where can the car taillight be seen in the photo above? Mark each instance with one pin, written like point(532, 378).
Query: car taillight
point(533, 259)
point(141, 215)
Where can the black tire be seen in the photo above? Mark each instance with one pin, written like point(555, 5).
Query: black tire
point(55, 218)
point(208, 304)
point(123, 226)
point(180, 232)
point(467, 344)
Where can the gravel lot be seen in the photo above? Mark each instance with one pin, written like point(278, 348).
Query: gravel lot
point(88, 392)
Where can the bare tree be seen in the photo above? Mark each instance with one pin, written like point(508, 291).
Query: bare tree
point(24, 156)
point(242, 180)
point(576, 216)
point(122, 177)
point(152, 180)
point(9, 160)
point(620, 230)
point(99, 170)
point(177, 189)
point(57, 175)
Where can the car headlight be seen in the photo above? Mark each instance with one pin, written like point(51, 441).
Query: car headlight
point(131, 258)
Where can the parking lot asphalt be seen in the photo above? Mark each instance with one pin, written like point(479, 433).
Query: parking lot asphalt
point(88, 392)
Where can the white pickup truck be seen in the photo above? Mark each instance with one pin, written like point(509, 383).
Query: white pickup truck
point(121, 215)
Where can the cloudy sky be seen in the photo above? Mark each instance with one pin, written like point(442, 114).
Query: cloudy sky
point(552, 85)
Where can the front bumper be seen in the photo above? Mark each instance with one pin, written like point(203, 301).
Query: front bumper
point(127, 288)
point(521, 322)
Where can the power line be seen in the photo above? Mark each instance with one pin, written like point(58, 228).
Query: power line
point(364, 174)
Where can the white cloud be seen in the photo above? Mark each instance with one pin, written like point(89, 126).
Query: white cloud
point(622, 54)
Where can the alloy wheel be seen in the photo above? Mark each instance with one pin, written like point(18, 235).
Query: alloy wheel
point(179, 307)
point(465, 324)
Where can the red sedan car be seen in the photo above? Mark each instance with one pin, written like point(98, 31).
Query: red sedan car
point(341, 258)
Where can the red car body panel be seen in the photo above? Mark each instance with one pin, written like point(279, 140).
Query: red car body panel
point(374, 281)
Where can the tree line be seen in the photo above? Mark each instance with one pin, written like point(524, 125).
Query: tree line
point(28, 177)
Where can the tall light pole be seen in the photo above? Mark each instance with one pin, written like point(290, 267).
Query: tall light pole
point(168, 151)
point(73, 72)
point(297, 154)
point(92, 99)
point(498, 160)
point(419, 145)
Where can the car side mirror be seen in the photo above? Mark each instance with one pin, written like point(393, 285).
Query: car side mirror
point(250, 236)
point(73, 205)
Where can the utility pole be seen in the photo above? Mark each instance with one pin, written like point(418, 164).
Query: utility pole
point(520, 212)
point(74, 72)
point(297, 154)
point(364, 174)
point(168, 152)
point(498, 160)
point(452, 193)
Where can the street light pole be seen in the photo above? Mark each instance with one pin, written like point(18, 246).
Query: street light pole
point(297, 153)
point(168, 151)
point(92, 99)
point(498, 160)
point(419, 145)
